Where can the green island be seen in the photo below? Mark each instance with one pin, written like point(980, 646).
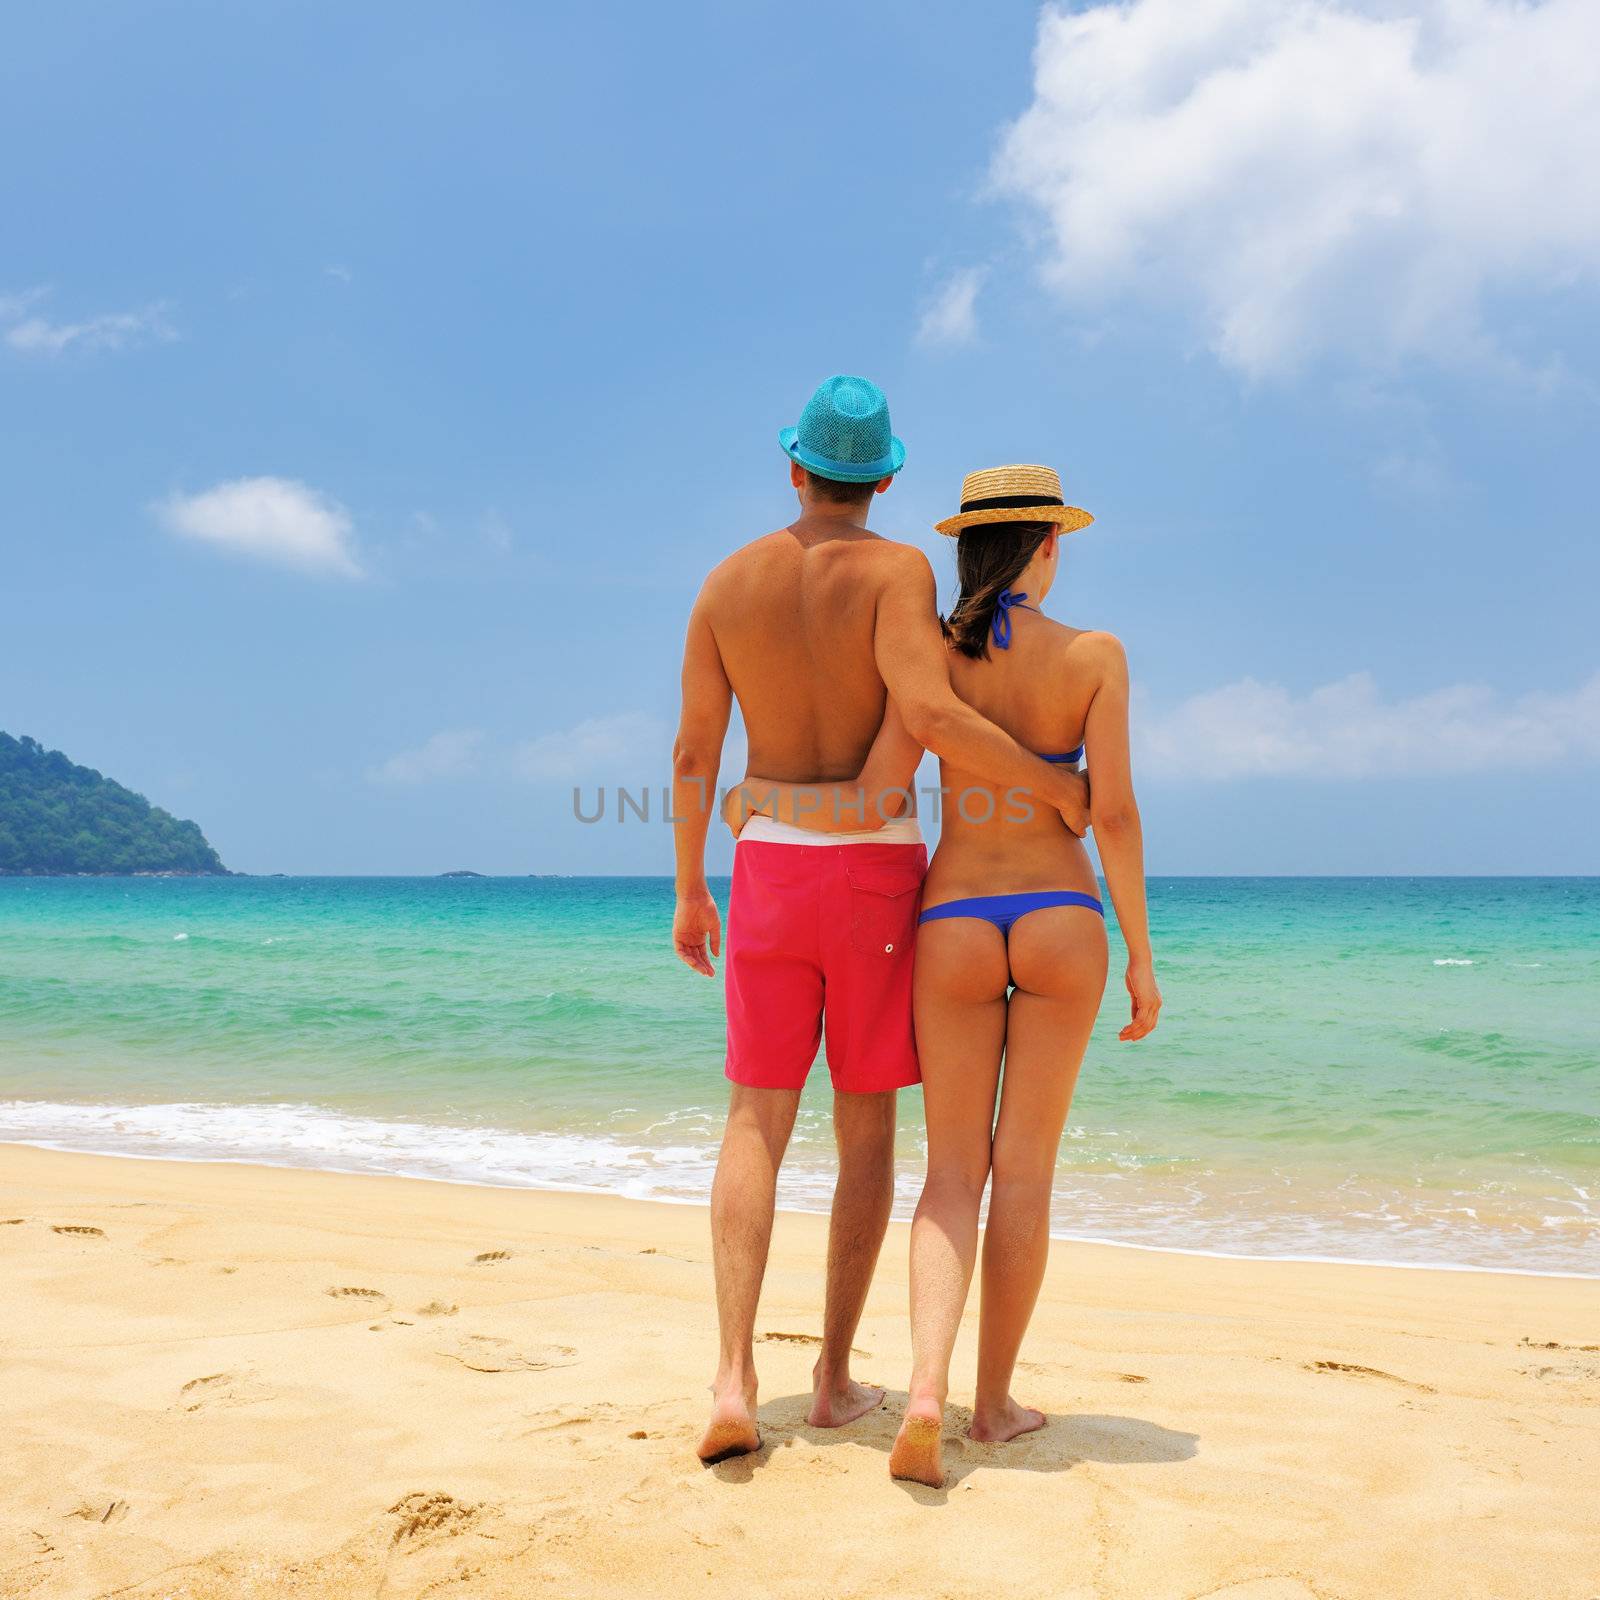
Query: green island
point(57, 818)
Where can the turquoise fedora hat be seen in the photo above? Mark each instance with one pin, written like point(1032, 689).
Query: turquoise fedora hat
point(844, 433)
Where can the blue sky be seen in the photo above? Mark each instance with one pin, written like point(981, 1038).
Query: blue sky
point(376, 384)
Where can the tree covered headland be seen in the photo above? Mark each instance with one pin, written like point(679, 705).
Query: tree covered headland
point(58, 817)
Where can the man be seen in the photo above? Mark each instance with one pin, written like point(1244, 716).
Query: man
point(813, 628)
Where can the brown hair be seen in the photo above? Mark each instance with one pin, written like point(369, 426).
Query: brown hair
point(839, 493)
point(989, 559)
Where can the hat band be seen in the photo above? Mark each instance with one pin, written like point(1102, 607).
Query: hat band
point(999, 502)
point(815, 460)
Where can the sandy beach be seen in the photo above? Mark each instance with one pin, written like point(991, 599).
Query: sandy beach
point(239, 1381)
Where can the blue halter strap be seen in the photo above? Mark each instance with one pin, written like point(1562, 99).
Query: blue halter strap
point(1002, 618)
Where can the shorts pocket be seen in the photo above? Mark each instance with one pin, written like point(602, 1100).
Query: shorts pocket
point(883, 908)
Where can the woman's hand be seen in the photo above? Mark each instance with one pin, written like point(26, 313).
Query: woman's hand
point(1146, 1000)
point(737, 808)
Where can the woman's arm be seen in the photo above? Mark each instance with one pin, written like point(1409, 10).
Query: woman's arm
point(879, 793)
point(1114, 817)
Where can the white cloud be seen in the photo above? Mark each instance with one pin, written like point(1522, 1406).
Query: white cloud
point(1348, 730)
point(456, 753)
point(33, 334)
point(1305, 177)
point(338, 270)
point(631, 746)
point(273, 519)
point(951, 316)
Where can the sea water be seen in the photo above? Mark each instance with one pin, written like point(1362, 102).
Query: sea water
point(1390, 1069)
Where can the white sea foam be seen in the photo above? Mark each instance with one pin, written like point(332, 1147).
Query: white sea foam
point(1454, 961)
point(309, 1136)
point(1199, 1213)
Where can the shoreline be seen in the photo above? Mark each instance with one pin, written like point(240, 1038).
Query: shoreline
point(555, 1187)
point(722, 877)
point(239, 1382)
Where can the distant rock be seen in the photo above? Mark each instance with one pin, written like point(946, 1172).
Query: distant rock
point(463, 872)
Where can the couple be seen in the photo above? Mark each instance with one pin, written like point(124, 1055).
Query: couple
point(845, 673)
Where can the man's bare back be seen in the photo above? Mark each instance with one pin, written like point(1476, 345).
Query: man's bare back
point(794, 615)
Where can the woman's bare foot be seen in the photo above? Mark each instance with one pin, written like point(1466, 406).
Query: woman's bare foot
point(918, 1454)
point(732, 1430)
point(834, 1404)
point(995, 1425)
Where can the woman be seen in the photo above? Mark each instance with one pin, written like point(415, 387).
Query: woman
point(1011, 950)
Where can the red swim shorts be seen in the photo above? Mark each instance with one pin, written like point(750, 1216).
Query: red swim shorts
point(822, 933)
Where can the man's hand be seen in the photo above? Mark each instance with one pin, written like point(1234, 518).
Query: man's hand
point(694, 923)
point(1074, 808)
point(1146, 998)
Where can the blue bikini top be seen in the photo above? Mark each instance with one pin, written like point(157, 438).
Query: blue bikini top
point(1001, 632)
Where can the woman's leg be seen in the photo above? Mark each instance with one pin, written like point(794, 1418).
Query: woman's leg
point(960, 1001)
point(1058, 964)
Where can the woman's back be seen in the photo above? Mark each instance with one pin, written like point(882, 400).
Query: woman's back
point(1039, 689)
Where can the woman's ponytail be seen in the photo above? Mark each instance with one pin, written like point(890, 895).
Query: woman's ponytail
point(989, 559)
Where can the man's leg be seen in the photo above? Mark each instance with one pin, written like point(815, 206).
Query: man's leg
point(863, 1128)
point(742, 1196)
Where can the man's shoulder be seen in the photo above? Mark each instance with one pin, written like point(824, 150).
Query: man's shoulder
point(896, 560)
point(898, 551)
point(747, 560)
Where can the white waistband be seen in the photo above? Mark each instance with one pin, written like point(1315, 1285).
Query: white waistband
point(766, 830)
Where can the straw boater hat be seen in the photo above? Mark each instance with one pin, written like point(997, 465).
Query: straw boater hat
point(1013, 494)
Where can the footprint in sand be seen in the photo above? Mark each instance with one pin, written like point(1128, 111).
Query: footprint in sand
point(11, 1222)
point(356, 1294)
point(554, 1421)
point(489, 1256)
point(217, 1389)
point(1049, 1368)
point(481, 1352)
point(78, 1230)
point(1367, 1372)
point(425, 1517)
point(596, 1416)
point(1281, 1587)
point(437, 1308)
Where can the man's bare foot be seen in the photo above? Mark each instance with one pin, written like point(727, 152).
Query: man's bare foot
point(1004, 1422)
point(833, 1405)
point(918, 1454)
point(732, 1430)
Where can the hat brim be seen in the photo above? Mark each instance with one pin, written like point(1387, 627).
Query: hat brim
point(1067, 518)
point(842, 471)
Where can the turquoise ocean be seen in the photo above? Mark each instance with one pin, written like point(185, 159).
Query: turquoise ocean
point(1390, 1069)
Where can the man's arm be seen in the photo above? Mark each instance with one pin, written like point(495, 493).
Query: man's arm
point(911, 658)
point(696, 759)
